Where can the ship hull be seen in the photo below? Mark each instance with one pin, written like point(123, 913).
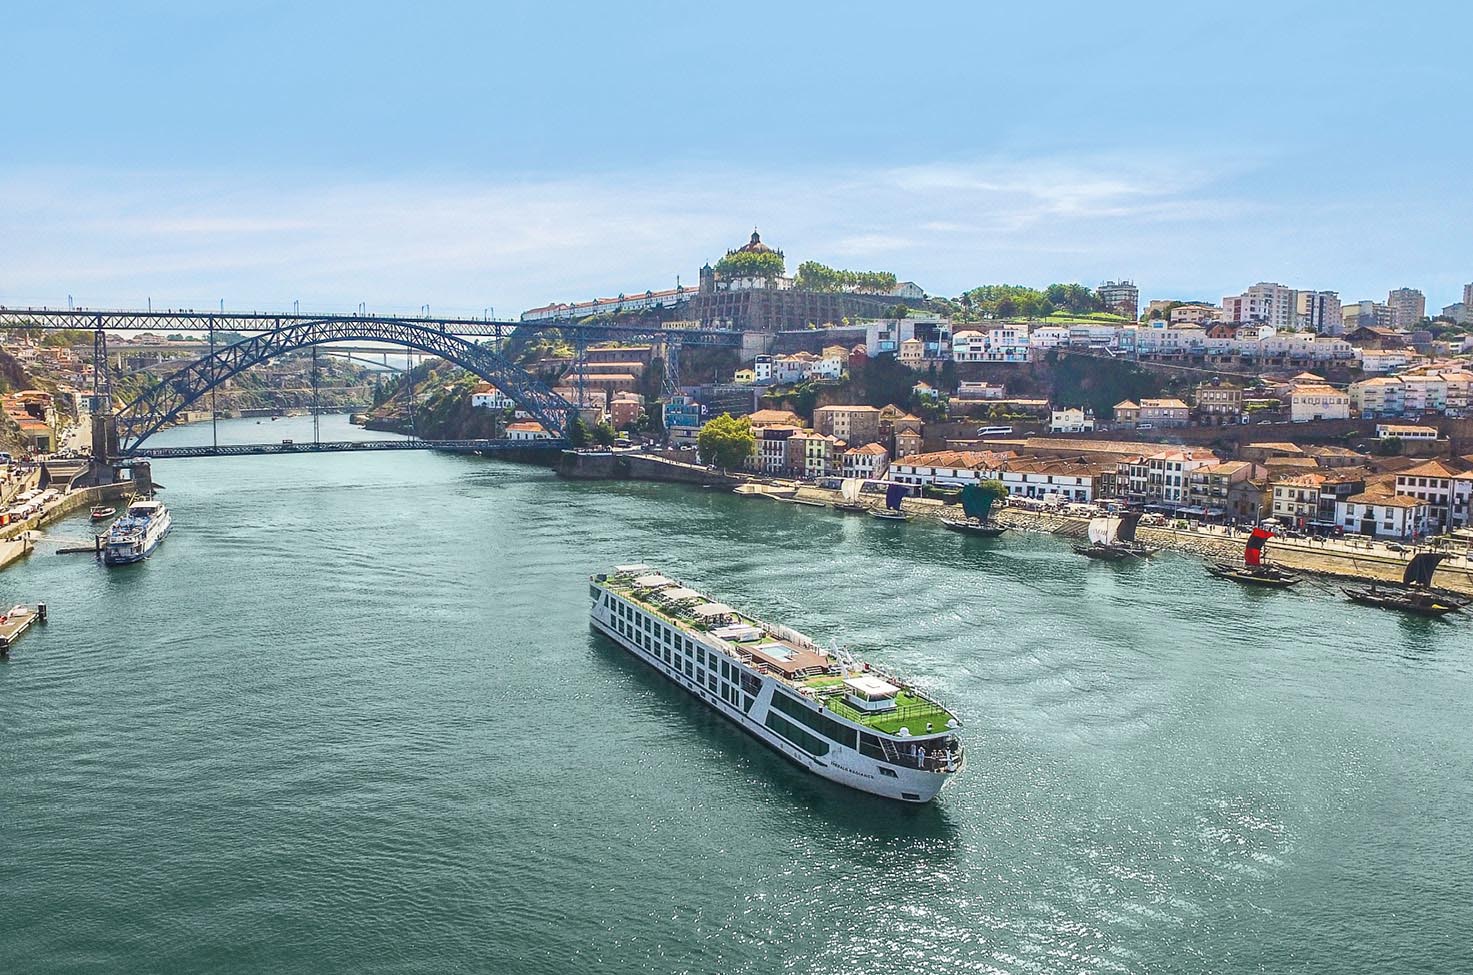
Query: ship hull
point(1431, 606)
point(973, 528)
point(1248, 578)
point(840, 765)
point(152, 540)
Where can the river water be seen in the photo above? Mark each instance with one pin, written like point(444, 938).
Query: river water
point(351, 718)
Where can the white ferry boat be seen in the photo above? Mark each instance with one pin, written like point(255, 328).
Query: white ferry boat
point(836, 717)
point(133, 537)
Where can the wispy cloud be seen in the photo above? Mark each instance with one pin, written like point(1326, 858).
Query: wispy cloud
point(461, 244)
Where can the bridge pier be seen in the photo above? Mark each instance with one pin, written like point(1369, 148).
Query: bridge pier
point(105, 437)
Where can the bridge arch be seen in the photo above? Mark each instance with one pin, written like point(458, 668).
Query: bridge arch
point(163, 403)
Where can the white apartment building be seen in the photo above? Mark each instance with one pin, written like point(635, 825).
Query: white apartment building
point(1424, 394)
point(1002, 343)
point(883, 337)
point(1045, 478)
point(1382, 515)
point(528, 430)
point(1384, 360)
point(1296, 500)
point(487, 397)
point(1266, 301)
point(1171, 340)
point(1378, 396)
point(1318, 312)
point(1405, 431)
point(1071, 419)
point(1444, 487)
point(868, 462)
point(948, 467)
point(1049, 336)
point(1195, 313)
point(1318, 402)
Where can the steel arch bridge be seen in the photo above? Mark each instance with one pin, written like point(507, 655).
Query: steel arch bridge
point(164, 402)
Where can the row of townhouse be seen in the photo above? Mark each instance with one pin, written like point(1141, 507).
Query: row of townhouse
point(923, 340)
point(648, 301)
point(1447, 488)
point(1151, 414)
point(768, 370)
point(790, 450)
point(1412, 394)
point(1022, 477)
point(1433, 497)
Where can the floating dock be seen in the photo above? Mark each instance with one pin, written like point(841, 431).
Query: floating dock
point(16, 621)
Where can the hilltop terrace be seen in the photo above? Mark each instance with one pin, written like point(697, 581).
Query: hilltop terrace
point(846, 687)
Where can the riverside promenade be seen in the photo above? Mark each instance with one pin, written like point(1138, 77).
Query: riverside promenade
point(16, 540)
point(1367, 561)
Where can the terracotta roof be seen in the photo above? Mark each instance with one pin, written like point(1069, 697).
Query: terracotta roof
point(1433, 468)
point(1385, 500)
point(1226, 467)
point(765, 417)
point(972, 459)
point(869, 448)
point(1303, 480)
point(850, 408)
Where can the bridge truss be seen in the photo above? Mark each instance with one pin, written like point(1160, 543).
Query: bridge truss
point(273, 334)
point(163, 403)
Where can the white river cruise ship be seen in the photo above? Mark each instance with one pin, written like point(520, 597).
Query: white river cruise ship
point(833, 715)
point(133, 537)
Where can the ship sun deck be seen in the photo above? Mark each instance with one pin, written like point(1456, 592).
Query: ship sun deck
point(785, 655)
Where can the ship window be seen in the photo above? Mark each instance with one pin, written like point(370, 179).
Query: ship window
point(711, 680)
point(688, 668)
point(812, 744)
point(820, 723)
point(888, 772)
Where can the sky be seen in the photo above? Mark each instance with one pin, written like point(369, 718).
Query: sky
point(478, 155)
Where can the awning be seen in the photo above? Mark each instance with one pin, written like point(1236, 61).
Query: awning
point(708, 610)
point(629, 569)
point(679, 593)
point(871, 687)
point(655, 581)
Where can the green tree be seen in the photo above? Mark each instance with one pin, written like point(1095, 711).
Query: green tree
point(726, 441)
point(577, 433)
point(751, 264)
point(604, 434)
point(994, 489)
